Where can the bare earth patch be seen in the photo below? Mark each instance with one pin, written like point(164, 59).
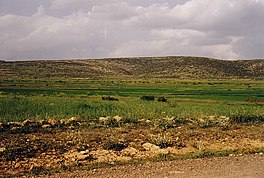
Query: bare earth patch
point(48, 147)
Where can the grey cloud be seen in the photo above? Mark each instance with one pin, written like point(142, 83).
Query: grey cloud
point(62, 29)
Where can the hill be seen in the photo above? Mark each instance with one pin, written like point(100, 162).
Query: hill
point(142, 67)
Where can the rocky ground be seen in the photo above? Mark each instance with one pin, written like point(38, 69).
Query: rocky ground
point(51, 146)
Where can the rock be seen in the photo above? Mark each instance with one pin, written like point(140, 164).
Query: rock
point(81, 157)
point(14, 129)
point(30, 123)
point(142, 120)
point(103, 119)
point(162, 151)
point(169, 118)
point(35, 168)
point(104, 156)
point(13, 124)
point(73, 121)
point(3, 149)
point(17, 165)
point(53, 122)
point(123, 158)
point(84, 152)
point(42, 122)
point(148, 121)
point(117, 118)
point(150, 147)
point(63, 121)
point(129, 151)
point(71, 127)
point(46, 126)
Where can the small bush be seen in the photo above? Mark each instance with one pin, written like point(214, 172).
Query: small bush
point(246, 119)
point(109, 98)
point(162, 99)
point(111, 123)
point(148, 98)
point(162, 141)
point(112, 145)
point(129, 121)
point(165, 124)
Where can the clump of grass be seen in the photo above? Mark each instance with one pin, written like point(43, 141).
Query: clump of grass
point(165, 124)
point(163, 157)
point(111, 123)
point(113, 145)
point(246, 119)
point(129, 121)
point(162, 141)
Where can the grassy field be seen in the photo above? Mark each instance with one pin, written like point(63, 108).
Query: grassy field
point(42, 99)
point(201, 118)
point(213, 108)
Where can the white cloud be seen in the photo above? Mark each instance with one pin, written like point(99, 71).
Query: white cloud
point(114, 28)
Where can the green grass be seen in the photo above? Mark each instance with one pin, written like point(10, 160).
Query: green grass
point(38, 99)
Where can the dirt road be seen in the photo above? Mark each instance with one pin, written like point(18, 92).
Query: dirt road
point(226, 167)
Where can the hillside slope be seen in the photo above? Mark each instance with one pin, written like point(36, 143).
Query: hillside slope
point(143, 67)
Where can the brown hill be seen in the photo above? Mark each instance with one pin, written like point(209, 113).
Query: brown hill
point(143, 67)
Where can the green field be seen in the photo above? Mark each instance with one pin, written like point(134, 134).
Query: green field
point(42, 99)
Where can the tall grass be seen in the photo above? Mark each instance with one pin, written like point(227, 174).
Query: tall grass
point(18, 108)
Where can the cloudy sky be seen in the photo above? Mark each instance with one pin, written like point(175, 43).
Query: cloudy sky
point(72, 29)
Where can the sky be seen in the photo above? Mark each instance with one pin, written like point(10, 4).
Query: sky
point(84, 29)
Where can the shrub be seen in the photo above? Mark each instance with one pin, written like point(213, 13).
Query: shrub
point(112, 145)
point(111, 122)
point(162, 141)
point(162, 99)
point(109, 98)
point(148, 98)
point(129, 121)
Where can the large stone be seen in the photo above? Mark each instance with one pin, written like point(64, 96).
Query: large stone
point(117, 118)
point(3, 149)
point(53, 122)
point(129, 151)
point(103, 119)
point(150, 147)
point(13, 124)
point(81, 157)
point(104, 156)
point(30, 123)
point(46, 126)
point(73, 121)
point(42, 122)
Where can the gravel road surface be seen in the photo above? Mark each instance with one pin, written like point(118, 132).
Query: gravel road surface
point(225, 167)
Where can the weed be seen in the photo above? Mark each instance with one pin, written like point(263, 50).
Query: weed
point(246, 119)
point(113, 145)
point(163, 157)
point(111, 123)
point(165, 124)
point(147, 98)
point(162, 141)
point(129, 121)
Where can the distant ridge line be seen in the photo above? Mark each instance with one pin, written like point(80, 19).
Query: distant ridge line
point(178, 67)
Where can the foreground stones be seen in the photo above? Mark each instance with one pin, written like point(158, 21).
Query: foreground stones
point(45, 124)
point(110, 156)
point(99, 144)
